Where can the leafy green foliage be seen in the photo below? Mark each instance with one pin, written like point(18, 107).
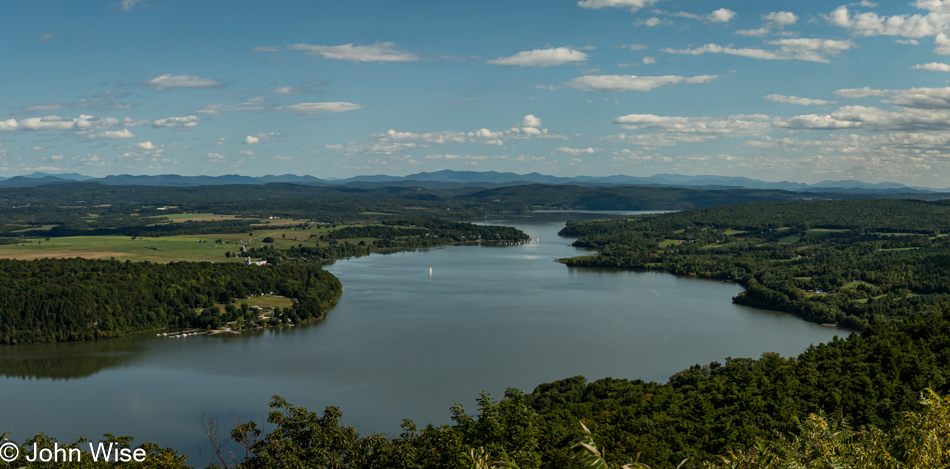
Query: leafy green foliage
point(51, 300)
point(851, 262)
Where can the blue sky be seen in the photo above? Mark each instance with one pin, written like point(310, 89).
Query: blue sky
point(782, 90)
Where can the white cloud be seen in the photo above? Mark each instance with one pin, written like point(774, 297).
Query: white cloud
point(577, 151)
point(867, 24)
point(941, 44)
point(651, 22)
point(56, 157)
point(530, 121)
point(378, 52)
point(82, 123)
point(759, 32)
point(184, 121)
point(722, 15)
point(166, 81)
point(807, 49)
point(780, 18)
point(124, 133)
point(215, 157)
point(854, 93)
point(649, 60)
point(908, 42)
point(542, 57)
point(8, 125)
point(634, 46)
point(250, 140)
point(796, 100)
point(934, 66)
point(921, 98)
point(633, 5)
point(129, 5)
point(319, 108)
point(289, 90)
point(738, 124)
point(612, 83)
point(147, 145)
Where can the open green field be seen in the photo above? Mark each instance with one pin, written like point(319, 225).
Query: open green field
point(165, 249)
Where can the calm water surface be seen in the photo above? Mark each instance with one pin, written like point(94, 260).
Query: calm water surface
point(401, 344)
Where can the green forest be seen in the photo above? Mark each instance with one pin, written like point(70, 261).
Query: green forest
point(850, 262)
point(52, 300)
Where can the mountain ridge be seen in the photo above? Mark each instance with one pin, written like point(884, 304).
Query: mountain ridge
point(452, 178)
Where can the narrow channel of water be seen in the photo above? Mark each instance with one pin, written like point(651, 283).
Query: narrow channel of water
point(402, 343)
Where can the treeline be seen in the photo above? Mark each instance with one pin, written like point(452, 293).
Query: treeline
point(397, 234)
point(53, 300)
point(851, 263)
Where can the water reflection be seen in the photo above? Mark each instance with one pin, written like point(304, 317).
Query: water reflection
point(69, 360)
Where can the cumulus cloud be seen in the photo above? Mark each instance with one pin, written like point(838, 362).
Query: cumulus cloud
point(806, 49)
point(8, 125)
point(649, 60)
point(530, 121)
point(393, 141)
point(612, 83)
point(775, 19)
point(796, 100)
point(854, 93)
point(577, 151)
point(781, 18)
point(738, 124)
point(124, 133)
point(179, 122)
point(250, 140)
point(934, 66)
point(542, 57)
point(320, 108)
point(633, 5)
point(167, 81)
point(921, 98)
point(722, 15)
point(83, 123)
point(651, 22)
point(933, 23)
point(215, 157)
point(874, 119)
point(378, 52)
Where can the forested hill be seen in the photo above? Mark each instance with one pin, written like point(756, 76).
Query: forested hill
point(850, 262)
point(52, 300)
point(290, 200)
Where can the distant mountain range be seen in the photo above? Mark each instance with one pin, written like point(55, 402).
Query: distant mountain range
point(450, 179)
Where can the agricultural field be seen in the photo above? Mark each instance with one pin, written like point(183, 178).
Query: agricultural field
point(163, 249)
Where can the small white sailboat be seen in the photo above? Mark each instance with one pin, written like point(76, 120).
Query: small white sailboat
point(430, 271)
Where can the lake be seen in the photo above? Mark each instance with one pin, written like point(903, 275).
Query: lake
point(403, 342)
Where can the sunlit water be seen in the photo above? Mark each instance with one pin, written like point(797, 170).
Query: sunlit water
point(402, 343)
